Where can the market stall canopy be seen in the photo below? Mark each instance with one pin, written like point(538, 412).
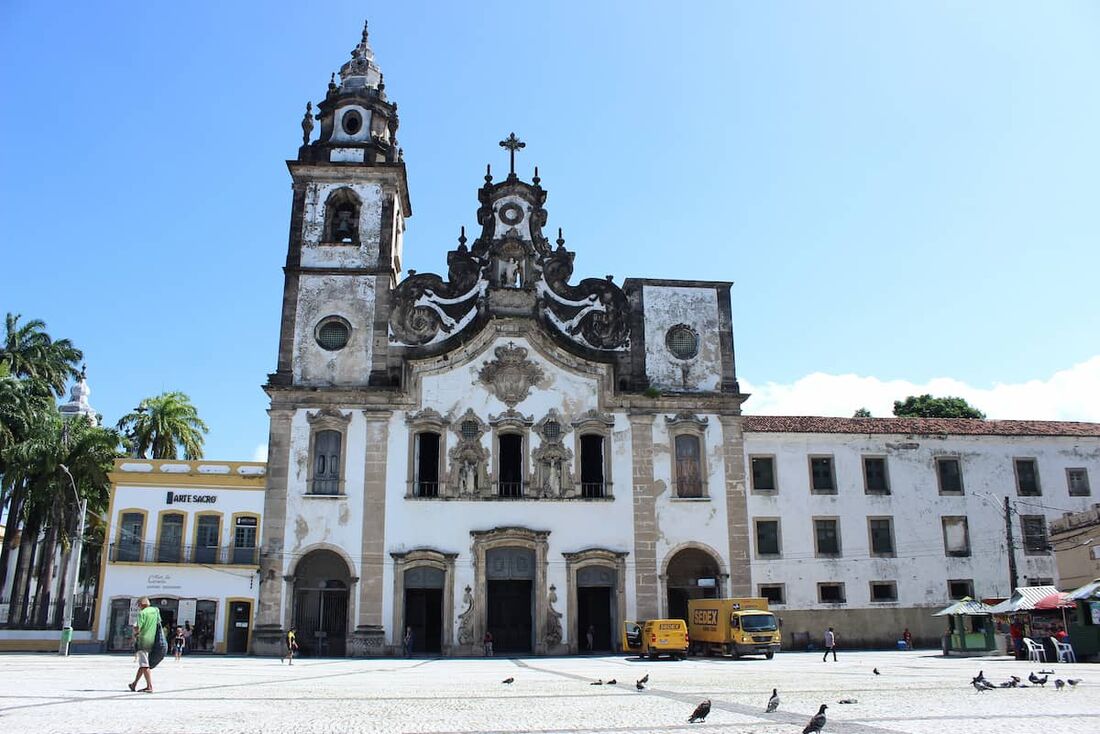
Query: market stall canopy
point(1023, 599)
point(966, 605)
point(1057, 600)
point(1087, 591)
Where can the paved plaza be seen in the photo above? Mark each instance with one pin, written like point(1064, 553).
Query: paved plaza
point(916, 692)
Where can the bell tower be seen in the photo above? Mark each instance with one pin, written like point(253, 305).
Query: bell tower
point(347, 226)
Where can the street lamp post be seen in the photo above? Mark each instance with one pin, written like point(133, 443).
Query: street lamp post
point(70, 593)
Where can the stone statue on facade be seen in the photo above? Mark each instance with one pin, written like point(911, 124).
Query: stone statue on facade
point(307, 124)
point(553, 619)
point(467, 477)
point(466, 620)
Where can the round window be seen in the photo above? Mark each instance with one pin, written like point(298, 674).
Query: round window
point(352, 122)
point(511, 214)
point(333, 333)
point(469, 429)
point(682, 341)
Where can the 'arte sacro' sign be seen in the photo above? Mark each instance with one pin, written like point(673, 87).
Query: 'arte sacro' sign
point(179, 498)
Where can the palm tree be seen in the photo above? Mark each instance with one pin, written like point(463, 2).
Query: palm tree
point(164, 424)
point(33, 356)
point(42, 465)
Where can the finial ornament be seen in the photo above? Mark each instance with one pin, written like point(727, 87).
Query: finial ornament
point(561, 240)
point(536, 178)
point(488, 173)
point(307, 123)
point(512, 143)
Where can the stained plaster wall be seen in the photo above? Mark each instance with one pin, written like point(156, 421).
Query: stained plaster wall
point(702, 522)
point(350, 297)
point(320, 520)
point(363, 255)
point(523, 230)
point(179, 580)
point(338, 134)
point(445, 525)
point(921, 568)
point(667, 306)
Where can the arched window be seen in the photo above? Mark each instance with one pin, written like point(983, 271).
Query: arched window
point(326, 462)
point(342, 217)
point(170, 538)
point(689, 474)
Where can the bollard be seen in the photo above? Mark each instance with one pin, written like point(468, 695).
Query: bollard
point(66, 638)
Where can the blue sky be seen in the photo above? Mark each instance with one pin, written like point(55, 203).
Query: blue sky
point(905, 194)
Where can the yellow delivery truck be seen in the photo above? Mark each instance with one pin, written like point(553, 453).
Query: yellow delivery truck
point(733, 627)
point(656, 637)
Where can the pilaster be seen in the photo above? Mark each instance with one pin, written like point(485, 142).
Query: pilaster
point(268, 633)
point(369, 637)
point(737, 510)
point(645, 518)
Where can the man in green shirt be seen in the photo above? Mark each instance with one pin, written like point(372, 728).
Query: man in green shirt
point(145, 638)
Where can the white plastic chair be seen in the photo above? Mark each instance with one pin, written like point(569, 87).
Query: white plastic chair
point(1064, 651)
point(1035, 651)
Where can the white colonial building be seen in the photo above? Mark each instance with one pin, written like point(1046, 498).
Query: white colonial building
point(186, 535)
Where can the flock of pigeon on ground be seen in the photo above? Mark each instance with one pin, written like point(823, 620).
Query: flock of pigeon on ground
point(817, 723)
point(982, 684)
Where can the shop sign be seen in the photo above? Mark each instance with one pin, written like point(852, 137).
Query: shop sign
point(160, 582)
point(177, 498)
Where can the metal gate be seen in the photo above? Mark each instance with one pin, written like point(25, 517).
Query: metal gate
point(321, 617)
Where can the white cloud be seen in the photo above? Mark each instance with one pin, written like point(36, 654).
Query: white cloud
point(1071, 395)
point(260, 453)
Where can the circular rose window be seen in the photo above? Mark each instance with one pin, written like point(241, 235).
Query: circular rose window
point(352, 122)
point(682, 341)
point(333, 333)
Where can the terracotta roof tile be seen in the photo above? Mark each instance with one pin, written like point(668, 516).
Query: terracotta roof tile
point(916, 426)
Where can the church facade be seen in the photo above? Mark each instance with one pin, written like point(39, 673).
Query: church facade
point(500, 450)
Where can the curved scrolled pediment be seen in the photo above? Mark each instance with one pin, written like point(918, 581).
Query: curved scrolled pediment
point(328, 415)
point(595, 312)
point(687, 419)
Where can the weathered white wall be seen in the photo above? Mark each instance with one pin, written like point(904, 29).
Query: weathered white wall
point(523, 229)
point(338, 134)
point(363, 255)
point(347, 296)
point(667, 306)
point(921, 567)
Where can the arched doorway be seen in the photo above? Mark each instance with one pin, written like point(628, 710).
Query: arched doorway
point(691, 573)
point(510, 592)
point(596, 608)
point(424, 607)
point(321, 584)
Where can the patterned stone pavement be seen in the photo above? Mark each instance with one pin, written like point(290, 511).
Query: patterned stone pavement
point(917, 692)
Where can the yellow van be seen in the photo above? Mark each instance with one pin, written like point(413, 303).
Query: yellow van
point(735, 627)
point(655, 637)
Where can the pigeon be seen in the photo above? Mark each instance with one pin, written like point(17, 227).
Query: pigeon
point(773, 702)
point(700, 713)
point(612, 682)
point(978, 685)
point(640, 685)
point(847, 700)
point(875, 671)
point(1073, 681)
point(508, 681)
point(1046, 672)
point(596, 682)
point(645, 679)
point(1037, 680)
point(817, 723)
point(1059, 684)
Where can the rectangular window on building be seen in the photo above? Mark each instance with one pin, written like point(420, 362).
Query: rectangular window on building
point(1027, 478)
point(244, 541)
point(881, 530)
point(1039, 581)
point(1078, 482)
point(774, 593)
point(130, 537)
point(763, 473)
point(960, 588)
point(689, 474)
point(170, 538)
point(592, 479)
point(822, 476)
point(826, 536)
point(875, 480)
point(950, 475)
point(510, 459)
point(1033, 529)
point(427, 464)
point(830, 593)
point(326, 462)
point(207, 538)
point(956, 536)
point(884, 591)
point(767, 537)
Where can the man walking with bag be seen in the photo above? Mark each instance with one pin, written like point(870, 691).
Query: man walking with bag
point(146, 632)
point(830, 645)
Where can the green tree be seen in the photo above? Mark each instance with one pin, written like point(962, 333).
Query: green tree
point(33, 357)
point(926, 406)
point(163, 425)
point(862, 413)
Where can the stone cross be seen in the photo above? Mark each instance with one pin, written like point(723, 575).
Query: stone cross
point(512, 144)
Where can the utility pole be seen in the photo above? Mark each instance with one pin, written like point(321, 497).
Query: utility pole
point(1012, 580)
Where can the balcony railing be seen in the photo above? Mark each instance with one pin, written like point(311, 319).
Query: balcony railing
point(427, 489)
point(510, 489)
point(203, 555)
point(592, 490)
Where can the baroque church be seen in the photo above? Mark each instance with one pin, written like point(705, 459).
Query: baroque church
point(501, 449)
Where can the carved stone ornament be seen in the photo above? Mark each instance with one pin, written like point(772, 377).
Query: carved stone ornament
point(689, 419)
point(328, 415)
point(466, 619)
point(511, 375)
point(553, 619)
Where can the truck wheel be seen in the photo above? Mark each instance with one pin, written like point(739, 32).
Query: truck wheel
point(729, 650)
point(654, 655)
point(769, 655)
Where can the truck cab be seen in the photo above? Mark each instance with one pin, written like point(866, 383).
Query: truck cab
point(741, 626)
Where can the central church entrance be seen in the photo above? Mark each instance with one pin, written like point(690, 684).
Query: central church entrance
point(424, 608)
point(321, 584)
point(596, 611)
point(510, 582)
